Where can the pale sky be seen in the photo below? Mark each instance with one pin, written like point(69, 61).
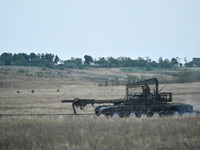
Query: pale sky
point(101, 28)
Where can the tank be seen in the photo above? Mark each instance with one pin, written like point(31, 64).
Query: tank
point(141, 98)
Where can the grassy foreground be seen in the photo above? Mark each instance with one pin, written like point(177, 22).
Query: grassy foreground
point(87, 133)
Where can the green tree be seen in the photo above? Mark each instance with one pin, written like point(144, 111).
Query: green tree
point(174, 62)
point(49, 57)
point(196, 62)
point(164, 63)
point(101, 62)
point(33, 56)
point(78, 62)
point(88, 60)
point(56, 59)
point(113, 62)
point(21, 59)
point(7, 58)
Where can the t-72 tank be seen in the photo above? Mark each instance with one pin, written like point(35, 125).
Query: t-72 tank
point(143, 97)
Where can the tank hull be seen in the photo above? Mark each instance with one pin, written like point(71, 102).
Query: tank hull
point(148, 109)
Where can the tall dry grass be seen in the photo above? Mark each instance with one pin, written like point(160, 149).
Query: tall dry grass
point(87, 133)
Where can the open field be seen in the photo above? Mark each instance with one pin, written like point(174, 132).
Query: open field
point(16, 84)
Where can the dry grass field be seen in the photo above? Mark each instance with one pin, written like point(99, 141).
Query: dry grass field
point(86, 132)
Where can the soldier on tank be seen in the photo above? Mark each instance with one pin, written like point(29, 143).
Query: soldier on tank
point(146, 89)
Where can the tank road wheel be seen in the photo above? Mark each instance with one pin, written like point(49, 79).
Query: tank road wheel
point(138, 115)
point(149, 114)
point(143, 116)
point(132, 115)
point(122, 114)
point(116, 115)
point(155, 115)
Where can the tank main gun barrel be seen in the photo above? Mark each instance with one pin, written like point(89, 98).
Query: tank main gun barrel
point(67, 101)
point(92, 101)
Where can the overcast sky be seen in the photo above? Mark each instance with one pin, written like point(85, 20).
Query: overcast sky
point(101, 28)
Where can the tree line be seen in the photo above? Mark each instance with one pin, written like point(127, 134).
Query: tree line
point(110, 62)
point(53, 61)
point(32, 59)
